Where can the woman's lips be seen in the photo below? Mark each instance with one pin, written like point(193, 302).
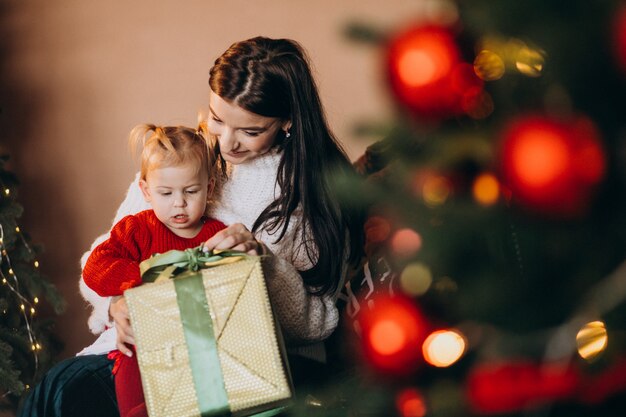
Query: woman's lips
point(236, 154)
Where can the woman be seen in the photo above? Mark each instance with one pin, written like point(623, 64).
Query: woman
point(279, 158)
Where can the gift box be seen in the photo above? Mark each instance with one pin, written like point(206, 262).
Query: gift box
point(207, 342)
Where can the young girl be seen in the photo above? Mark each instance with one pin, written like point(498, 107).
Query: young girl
point(176, 179)
point(280, 159)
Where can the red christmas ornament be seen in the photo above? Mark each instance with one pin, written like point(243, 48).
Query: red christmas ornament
point(619, 37)
point(393, 330)
point(427, 75)
point(510, 387)
point(550, 165)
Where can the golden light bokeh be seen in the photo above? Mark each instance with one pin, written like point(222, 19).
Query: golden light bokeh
point(591, 340)
point(436, 190)
point(486, 189)
point(529, 61)
point(416, 279)
point(489, 66)
point(443, 348)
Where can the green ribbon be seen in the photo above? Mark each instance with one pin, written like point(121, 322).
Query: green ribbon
point(196, 319)
point(201, 346)
point(171, 263)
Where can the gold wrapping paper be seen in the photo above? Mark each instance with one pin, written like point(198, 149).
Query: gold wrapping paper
point(250, 352)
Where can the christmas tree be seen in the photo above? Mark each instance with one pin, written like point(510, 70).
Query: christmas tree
point(27, 346)
point(495, 282)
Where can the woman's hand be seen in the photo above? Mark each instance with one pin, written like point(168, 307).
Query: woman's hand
point(236, 237)
point(119, 312)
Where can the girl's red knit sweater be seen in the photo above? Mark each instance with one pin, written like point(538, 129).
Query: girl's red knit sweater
point(113, 266)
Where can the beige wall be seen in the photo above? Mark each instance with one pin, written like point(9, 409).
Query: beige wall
point(78, 74)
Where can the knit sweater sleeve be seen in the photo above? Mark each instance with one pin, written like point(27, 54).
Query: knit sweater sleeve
point(304, 317)
point(113, 266)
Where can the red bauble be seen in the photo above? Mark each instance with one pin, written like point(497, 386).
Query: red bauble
point(510, 387)
point(550, 165)
point(427, 75)
point(619, 37)
point(393, 331)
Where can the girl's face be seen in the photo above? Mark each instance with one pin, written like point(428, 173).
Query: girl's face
point(242, 135)
point(178, 196)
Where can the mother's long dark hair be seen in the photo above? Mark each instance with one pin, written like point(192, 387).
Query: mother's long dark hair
point(272, 78)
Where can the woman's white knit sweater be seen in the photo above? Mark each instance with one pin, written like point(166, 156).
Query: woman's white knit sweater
point(304, 318)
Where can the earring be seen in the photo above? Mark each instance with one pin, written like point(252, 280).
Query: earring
point(287, 134)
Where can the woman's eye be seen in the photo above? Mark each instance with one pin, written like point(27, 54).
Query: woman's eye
point(192, 191)
point(252, 134)
point(215, 119)
point(165, 193)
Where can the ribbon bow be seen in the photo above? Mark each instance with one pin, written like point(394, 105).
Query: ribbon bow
point(176, 263)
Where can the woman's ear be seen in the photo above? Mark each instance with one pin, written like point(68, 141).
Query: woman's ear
point(143, 185)
point(286, 126)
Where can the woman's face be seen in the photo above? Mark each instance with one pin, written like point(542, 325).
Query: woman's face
point(242, 135)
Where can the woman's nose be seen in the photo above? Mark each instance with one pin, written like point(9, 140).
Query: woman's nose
point(227, 141)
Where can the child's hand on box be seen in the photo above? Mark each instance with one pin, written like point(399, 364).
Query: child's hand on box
point(118, 310)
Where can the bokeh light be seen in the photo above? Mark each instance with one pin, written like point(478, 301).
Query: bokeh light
point(416, 279)
point(387, 337)
point(530, 61)
point(427, 75)
point(591, 340)
point(486, 189)
point(405, 243)
point(552, 164)
point(443, 348)
point(489, 66)
point(393, 330)
point(436, 190)
point(410, 403)
point(540, 158)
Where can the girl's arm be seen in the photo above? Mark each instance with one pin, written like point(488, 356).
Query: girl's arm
point(113, 266)
point(99, 319)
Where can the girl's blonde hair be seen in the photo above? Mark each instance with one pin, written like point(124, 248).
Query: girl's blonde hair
point(166, 146)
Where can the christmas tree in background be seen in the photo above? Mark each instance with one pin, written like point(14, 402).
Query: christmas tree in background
point(496, 232)
point(27, 346)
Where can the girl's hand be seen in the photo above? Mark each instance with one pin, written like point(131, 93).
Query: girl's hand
point(119, 312)
point(236, 237)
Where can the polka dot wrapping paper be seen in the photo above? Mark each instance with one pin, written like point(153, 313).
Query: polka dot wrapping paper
point(249, 363)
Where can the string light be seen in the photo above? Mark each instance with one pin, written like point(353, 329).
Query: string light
point(36, 264)
point(13, 284)
point(7, 191)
